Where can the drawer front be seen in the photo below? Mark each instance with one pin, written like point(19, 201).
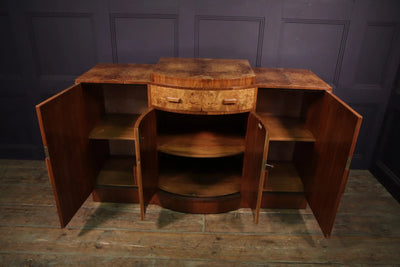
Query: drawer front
point(229, 100)
point(175, 99)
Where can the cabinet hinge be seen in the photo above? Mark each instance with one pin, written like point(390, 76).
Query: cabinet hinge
point(46, 152)
point(348, 163)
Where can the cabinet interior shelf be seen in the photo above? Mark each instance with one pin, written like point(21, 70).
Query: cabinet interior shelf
point(286, 128)
point(283, 177)
point(200, 177)
point(117, 171)
point(115, 127)
point(201, 144)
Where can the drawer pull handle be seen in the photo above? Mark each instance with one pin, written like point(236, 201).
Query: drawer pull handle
point(229, 101)
point(173, 99)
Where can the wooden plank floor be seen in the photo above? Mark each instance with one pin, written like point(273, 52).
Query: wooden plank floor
point(367, 230)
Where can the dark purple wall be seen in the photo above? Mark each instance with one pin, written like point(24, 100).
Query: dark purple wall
point(352, 44)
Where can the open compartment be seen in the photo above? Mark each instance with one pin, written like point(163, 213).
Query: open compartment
point(284, 186)
point(112, 111)
point(201, 136)
point(291, 117)
point(200, 161)
point(205, 177)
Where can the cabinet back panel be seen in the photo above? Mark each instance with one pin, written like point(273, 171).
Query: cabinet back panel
point(281, 151)
point(280, 102)
point(122, 147)
point(94, 103)
point(125, 98)
point(94, 107)
point(287, 103)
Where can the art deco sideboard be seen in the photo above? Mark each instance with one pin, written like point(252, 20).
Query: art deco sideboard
point(199, 136)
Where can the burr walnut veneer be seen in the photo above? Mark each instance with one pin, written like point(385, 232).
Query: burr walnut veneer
point(199, 136)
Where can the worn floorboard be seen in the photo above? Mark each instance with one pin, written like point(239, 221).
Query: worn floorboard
point(366, 231)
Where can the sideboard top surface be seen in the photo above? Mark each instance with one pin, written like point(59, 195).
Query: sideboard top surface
point(289, 79)
point(117, 73)
point(203, 73)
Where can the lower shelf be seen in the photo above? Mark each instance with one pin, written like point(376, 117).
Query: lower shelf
point(117, 171)
point(283, 188)
point(201, 144)
point(116, 181)
point(200, 177)
point(199, 185)
point(283, 177)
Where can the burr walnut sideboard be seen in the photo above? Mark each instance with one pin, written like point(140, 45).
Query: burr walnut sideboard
point(199, 136)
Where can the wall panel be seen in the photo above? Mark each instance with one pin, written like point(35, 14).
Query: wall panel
point(369, 113)
point(63, 43)
point(9, 66)
point(131, 43)
point(376, 48)
point(229, 37)
point(314, 44)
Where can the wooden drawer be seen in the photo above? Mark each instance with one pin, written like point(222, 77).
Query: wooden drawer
point(175, 99)
point(229, 100)
point(207, 101)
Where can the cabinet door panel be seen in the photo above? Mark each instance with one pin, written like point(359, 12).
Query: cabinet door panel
point(255, 158)
point(146, 158)
point(63, 126)
point(336, 135)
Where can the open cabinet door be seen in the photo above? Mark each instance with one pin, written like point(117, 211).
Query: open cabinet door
point(336, 136)
point(63, 126)
point(146, 158)
point(255, 158)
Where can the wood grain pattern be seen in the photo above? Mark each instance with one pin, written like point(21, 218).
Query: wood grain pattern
point(202, 101)
point(326, 172)
point(173, 99)
point(286, 128)
point(117, 73)
point(146, 158)
point(201, 144)
point(255, 156)
point(203, 72)
point(63, 125)
point(289, 79)
point(229, 101)
point(200, 177)
point(115, 127)
point(101, 233)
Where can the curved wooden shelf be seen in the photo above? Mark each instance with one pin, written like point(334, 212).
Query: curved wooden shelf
point(202, 144)
point(200, 177)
